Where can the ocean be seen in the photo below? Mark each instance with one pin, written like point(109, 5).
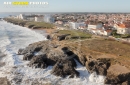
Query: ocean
point(14, 37)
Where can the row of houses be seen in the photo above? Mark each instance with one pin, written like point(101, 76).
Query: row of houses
point(102, 29)
point(97, 29)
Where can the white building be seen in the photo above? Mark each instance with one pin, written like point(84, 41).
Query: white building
point(122, 29)
point(101, 32)
point(75, 25)
point(96, 26)
point(90, 27)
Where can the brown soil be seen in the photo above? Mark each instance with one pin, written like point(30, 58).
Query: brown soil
point(4, 81)
point(101, 48)
point(49, 31)
point(118, 69)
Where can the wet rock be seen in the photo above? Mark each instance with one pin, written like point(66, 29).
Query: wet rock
point(80, 57)
point(20, 51)
point(63, 68)
point(28, 56)
point(29, 49)
point(58, 54)
point(99, 66)
point(39, 61)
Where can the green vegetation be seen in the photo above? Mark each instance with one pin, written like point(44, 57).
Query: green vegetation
point(114, 34)
point(40, 24)
point(75, 34)
point(30, 24)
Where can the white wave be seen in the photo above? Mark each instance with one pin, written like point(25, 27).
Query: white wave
point(14, 37)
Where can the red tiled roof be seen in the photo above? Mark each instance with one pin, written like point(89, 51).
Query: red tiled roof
point(122, 26)
point(108, 30)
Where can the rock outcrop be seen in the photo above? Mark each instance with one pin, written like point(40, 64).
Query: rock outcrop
point(118, 75)
point(99, 66)
point(45, 53)
point(62, 37)
point(39, 61)
point(63, 68)
point(62, 57)
point(28, 56)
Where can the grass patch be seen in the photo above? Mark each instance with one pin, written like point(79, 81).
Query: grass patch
point(75, 34)
point(40, 24)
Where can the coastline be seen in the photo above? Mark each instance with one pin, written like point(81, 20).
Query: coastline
point(115, 62)
point(48, 27)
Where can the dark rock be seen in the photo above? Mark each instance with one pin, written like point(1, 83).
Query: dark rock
point(48, 37)
point(20, 51)
point(35, 27)
point(63, 68)
point(39, 61)
point(99, 66)
point(28, 56)
point(62, 37)
point(29, 49)
point(81, 58)
point(58, 54)
point(30, 26)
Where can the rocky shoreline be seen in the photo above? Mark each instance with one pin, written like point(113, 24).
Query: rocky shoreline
point(61, 54)
point(62, 58)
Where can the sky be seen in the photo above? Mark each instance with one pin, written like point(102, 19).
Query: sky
point(71, 6)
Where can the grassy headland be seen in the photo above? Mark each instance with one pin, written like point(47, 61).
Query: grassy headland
point(30, 24)
point(117, 51)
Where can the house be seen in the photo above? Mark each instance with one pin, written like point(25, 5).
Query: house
point(94, 26)
point(59, 22)
point(90, 27)
point(101, 31)
point(123, 29)
point(77, 25)
point(107, 32)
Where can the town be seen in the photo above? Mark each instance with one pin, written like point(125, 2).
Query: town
point(116, 25)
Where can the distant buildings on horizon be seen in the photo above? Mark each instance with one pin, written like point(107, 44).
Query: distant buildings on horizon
point(101, 24)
